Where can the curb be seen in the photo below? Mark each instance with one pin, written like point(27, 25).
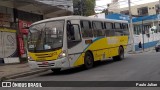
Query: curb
point(137, 52)
point(22, 74)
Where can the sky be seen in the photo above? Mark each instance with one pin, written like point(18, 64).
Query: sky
point(101, 4)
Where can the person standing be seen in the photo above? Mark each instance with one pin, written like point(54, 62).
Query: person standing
point(140, 46)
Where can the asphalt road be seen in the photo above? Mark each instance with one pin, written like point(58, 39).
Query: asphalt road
point(135, 67)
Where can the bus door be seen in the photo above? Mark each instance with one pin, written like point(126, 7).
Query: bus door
point(74, 41)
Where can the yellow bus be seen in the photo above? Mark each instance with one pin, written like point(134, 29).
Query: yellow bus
point(70, 41)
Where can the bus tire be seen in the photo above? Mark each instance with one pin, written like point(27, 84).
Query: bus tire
point(56, 70)
point(120, 56)
point(88, 60)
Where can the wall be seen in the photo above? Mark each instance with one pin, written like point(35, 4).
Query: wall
point(149, 5)
point(148, 41)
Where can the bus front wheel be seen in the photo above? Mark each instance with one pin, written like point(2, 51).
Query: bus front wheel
point(88, 60)
point(120, 56)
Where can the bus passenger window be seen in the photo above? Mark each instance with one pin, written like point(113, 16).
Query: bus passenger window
point(125, 29)
point(76, 33)
point(86, 29)
point(118, 29)
point(109, 29)
point(98, 29)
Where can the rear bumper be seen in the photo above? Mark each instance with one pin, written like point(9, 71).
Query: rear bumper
point(59, 63)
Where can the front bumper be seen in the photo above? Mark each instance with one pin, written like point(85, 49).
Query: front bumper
point(59, 63)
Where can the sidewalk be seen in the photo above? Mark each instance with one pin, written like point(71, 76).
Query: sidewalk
point(17, 70)
point(152, 49)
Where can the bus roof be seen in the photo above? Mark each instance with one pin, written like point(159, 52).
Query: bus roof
point(79, 17)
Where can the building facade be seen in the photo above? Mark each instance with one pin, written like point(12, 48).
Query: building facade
point(137, 10)
point(142, 9)
point(15, 16)
point(146, 29)
point(146, 23)
point(114, 7)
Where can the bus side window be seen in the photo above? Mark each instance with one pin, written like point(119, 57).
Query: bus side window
point(73, 35)
point(125, 29)
point(77, 32)
point(109, 29)
point(86, 29)
point(118, 29)
point(98, 28)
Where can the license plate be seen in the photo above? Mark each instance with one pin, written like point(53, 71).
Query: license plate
point(45, 63)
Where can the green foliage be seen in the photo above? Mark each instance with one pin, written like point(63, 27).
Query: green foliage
point(89, 9)
point(86, 6)
point(105, 11)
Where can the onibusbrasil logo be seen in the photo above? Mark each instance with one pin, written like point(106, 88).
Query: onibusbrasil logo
point(21, 84)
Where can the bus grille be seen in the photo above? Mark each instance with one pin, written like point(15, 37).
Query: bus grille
point(43, 55)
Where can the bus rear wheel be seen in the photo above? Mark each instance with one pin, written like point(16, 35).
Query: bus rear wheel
point(120, 56)
point(88, 60)
point(56, 70)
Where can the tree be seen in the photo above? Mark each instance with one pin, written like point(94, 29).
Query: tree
point(105, 11)
point(84, 7)
point(76, 7)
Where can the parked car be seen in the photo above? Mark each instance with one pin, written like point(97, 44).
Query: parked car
point(157, 47)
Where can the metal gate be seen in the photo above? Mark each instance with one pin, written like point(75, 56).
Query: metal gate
point(8, 45)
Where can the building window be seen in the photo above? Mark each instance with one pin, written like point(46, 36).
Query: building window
point(6, 17)
point(157, 9)
point(28, 16)
point(143, 11)
point(137, 29)
point(126, 12)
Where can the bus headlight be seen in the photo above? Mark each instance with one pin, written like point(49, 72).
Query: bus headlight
point(62, 54)
point(30, 58)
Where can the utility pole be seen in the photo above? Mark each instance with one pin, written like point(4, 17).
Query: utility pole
point(143, 33)
point(131, 26)
point(158, 15)
point(159, 7)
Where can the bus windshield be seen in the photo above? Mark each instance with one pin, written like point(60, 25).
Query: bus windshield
point(46, 36)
